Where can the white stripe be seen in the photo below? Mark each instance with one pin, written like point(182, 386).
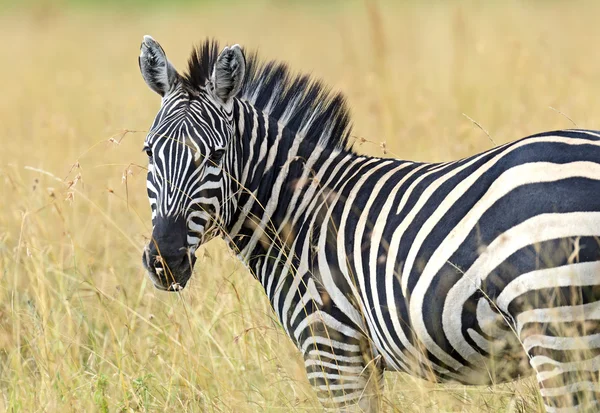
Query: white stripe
point(345, 386)
point(576, 274)
point(347, 359)
point(338, 367)
point(562, 343)
point(592, 364)
point(329, 321)
point(332, 376)
point(590, 311)
point(329, 343)
point(569, 388)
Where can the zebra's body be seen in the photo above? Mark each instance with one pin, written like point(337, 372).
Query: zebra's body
point(460, 271)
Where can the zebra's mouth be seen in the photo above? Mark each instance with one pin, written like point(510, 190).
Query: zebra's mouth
point(162, 284)
point(174, 287)
point(168, 275)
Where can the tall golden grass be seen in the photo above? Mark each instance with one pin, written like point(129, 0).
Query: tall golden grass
point(82, 329)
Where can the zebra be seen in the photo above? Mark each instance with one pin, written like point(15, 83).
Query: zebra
point(478, 271)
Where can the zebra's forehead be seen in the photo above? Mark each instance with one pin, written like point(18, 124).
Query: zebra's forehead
point(194, 117)
point(178, 140)
point(196, 125)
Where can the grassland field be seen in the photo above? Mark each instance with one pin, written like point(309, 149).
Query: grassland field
point(81, 327)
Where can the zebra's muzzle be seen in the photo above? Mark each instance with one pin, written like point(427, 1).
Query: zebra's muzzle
point(167, 257)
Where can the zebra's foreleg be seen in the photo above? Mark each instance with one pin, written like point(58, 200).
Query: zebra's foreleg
point(341, 366)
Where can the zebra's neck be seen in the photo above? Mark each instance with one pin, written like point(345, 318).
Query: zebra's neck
point(276, 169)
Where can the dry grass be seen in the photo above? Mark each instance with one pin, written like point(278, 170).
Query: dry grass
point(81, 328)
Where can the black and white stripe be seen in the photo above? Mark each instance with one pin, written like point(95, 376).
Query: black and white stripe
point(480, 270)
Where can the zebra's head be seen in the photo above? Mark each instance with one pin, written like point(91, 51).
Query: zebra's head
point(189, 158)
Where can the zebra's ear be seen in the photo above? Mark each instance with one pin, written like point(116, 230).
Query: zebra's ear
point(228, 74)
point(156, 69)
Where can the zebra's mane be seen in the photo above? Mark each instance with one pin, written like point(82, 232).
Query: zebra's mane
point(302, 103)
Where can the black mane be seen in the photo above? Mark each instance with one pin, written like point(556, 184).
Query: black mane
point(302, 103)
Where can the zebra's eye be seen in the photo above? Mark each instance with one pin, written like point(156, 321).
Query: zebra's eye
point(148, 152)
point(217, 155)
